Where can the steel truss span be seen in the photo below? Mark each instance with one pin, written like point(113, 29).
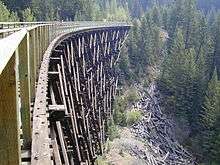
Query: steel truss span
point(75, 93)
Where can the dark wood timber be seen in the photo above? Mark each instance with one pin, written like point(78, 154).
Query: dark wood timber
point(82, 84)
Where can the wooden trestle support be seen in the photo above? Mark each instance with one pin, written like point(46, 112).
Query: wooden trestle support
point(81, 89)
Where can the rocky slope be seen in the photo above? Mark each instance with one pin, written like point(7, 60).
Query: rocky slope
point(150, 141)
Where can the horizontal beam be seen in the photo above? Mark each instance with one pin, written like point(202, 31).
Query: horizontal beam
point(8, 47)
point(30, 44)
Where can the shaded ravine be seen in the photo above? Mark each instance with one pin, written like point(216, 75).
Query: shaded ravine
point(157, 130)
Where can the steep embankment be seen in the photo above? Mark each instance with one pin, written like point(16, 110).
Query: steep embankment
point(150, 141)
point(158, 130)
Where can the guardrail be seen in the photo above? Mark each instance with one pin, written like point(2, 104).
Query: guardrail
point(20, 57)
point(21, 49)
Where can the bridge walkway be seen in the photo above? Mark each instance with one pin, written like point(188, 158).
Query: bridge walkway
point(57, 86)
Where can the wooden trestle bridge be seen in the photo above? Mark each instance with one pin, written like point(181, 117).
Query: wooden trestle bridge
point(57, 86)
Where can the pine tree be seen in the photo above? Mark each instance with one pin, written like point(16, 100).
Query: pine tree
point(178, 76)
point(176, 12)
point(133, 48)
point(189, 22)
point(203, 46)
point(65, 10)
point(17, 5)
point(113, 6)
point(6, 15)
point(216, 38)
point(175, 18)
point(28, 15)
point(212, 102)
point(156, 15)
point(165, 18)
point(211, 121)
point(136, 9)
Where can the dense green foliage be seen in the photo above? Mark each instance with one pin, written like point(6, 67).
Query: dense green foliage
point(122, 116)
point(113, 131)
point(27, 15)
point(189, 63)
point(187, 79)
point(144, 48)
point(44, 10)
point(211, 121)
point(133, 117)
point(64, 10)
point(119, 115)
point(6, 14)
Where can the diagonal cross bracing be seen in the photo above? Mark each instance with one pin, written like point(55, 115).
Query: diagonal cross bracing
point(80, 79)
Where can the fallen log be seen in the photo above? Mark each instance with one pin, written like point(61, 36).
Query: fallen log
point(156, 129)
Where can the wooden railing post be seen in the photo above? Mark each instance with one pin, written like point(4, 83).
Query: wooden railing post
point(32, 59)
point(24, 78)
point(9, 124)
point(48, 35)
point(37, 47)
point(45, 38)
point(40, 44)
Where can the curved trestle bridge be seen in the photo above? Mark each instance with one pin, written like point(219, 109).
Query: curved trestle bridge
point(57, 87)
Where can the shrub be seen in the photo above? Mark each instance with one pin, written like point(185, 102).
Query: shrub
point(121, 102)
point(132, 96)
point(133, 117)
point(119, 111)
point(113, 131)
point(100, 161)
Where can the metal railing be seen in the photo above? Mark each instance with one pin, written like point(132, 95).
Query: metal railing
point(21, 51)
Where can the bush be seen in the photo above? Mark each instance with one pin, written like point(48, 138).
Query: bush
point(120, 118)
point(121, 102)
point(28, 15)
point(100, 161)
point(113, 131)
point(133, 117)
point(132, 96)
point(119, 111)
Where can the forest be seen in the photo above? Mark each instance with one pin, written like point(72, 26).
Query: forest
point(180, 39)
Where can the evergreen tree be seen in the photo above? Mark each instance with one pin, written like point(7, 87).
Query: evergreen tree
point(189, 22)
point(6, 15)
point(156, 16)
point(28, 15)
point(216, 38)
point(165, 18)
point(211, 122)
point(178, 76)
